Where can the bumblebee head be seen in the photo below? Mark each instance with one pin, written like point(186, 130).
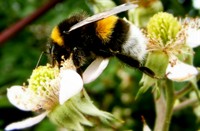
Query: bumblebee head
point(63, 42)
point(57, 49)
point(58, 53)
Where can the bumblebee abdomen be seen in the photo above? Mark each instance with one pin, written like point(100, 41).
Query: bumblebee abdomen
point(105, 27)
point(135, 44)
point(127, 39)
point(119, 35)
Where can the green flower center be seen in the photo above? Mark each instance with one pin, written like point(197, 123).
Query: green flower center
point(41, 78)
point(163, 27)
point(44, 86)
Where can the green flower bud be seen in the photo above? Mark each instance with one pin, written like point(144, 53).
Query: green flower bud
point(140, 16)
point(163, 27)
point(98, 6)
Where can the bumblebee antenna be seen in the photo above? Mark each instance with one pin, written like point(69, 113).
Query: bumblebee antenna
point(39, 59)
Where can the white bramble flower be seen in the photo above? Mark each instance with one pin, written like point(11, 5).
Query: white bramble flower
point(170, 44)
point(58, 94)
point(175, 39)
point(176, 69)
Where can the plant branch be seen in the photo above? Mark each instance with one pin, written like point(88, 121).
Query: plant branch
point(190, 102)
point(12, 30)
point(184, 91)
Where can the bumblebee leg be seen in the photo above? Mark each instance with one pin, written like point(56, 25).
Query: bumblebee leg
point(79, 57)
point(136, 64)
point(104, 53)
point(147, 71)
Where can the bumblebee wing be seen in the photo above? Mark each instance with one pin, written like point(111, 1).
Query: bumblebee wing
point(115, 10)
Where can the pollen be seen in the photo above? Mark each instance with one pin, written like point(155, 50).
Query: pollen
point(42, 84)
point(41, 76)
point(104, 28)
point(56, 36)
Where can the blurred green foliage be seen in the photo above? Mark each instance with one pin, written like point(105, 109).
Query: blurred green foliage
point(114, 91)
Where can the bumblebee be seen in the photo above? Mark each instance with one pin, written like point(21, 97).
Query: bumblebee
point(102, 35)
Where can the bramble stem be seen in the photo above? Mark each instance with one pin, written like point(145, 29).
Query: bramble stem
point(164, 107)
point(160, 106)
point(170, 99)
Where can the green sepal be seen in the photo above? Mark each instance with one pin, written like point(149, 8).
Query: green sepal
point(87, 107)
point(157, 61)
point(156, 90)
point(68, 116)
point(73, 113)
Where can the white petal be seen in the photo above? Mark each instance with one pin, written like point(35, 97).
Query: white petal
point(196, 4)
point(180, 71)
point(26, 123)
point(19, 97)
point(193, 37)
point(71, 84)
point(94, 70)
point(146, 128)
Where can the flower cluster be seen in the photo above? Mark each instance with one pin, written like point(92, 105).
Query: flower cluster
point(58, 94)
point(170, 44)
